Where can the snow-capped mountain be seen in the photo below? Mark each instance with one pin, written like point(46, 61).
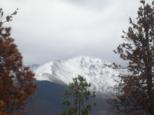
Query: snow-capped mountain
point(53, 77)
point(101, 74)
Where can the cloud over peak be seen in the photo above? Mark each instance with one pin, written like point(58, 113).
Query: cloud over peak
point(55, 29)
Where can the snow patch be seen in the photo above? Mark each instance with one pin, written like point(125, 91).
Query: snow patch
point(98, 72)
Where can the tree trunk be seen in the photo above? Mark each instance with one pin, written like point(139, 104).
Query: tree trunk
point(148, 70)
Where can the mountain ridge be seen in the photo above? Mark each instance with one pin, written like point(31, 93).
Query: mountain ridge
point(101, 74)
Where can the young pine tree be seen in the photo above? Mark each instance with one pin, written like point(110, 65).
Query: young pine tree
point(17, 82)
point(138, 86)
point(78, 97)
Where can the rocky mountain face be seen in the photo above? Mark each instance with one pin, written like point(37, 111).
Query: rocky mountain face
point(99, 73)
point(54, 76)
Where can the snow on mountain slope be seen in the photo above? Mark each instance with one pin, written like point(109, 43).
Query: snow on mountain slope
point(99, 73)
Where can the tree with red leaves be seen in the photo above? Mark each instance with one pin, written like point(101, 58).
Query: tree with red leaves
point(137, 88)
point(17, 82)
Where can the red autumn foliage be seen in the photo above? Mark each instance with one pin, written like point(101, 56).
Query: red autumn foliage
point(17, 82)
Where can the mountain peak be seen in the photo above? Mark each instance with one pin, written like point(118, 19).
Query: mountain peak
point(96, 71)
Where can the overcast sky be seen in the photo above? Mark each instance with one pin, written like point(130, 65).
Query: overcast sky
point(46, 30)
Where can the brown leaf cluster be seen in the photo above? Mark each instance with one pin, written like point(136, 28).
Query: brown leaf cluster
point(17, 82)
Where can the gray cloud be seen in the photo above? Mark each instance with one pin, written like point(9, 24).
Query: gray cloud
point(100, 4)
point(55, 29)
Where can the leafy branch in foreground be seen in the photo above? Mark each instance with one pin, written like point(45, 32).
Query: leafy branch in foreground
point(17, 82)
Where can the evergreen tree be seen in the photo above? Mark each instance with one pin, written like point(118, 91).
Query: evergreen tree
point(17, 82)
point(137, 88)
point(78, 97)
